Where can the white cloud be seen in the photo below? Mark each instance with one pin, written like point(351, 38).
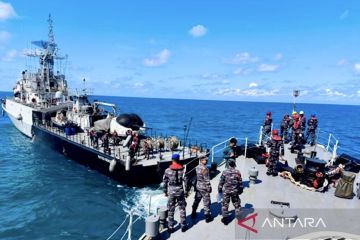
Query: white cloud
point(344, 15)
point(10, 55)
point(278, 57)
point(241, 58)
point(267, 67)
point(331, 93)
point(6, 11)
point(357, 68)
point(198, 31)
point(213, 76)
point(341, 62)
point(358, 93)
point(4, 36)
point(225, 82)
point(139, 85)
point(228, 91)
point(158, 60)
point(260, 92)
point(255, 92)
point(242, 71)
point(253, 85)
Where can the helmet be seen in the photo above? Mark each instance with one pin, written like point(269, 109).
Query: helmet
point(313, 115)
point(175, 157)
point(301, 112)
point(275, 132)
point(233, 140)
point(294, 113)
point(232, 162)
point(268, 113)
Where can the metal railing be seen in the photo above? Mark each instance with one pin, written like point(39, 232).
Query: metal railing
point(128, 230)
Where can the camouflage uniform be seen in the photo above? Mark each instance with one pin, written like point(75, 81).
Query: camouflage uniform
point(266, 127)
point(312, 126)
point(284, 127)
point(173, 187)
point(229, 153)
point(274, 144)
point(203, 188)
point(296, 135)
point(231, 186)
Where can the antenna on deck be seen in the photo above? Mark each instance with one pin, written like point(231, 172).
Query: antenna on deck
point(296, 93)
point(186, 134)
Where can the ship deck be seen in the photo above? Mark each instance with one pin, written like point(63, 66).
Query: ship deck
point(117, 151)
point(257, 198)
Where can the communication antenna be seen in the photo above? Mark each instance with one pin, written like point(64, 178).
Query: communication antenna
point(296, 93)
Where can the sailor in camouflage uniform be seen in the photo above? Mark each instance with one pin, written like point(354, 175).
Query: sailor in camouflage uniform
point(173, 180)
point(274, 144)
point(202, 189)
point(229, 151)
point(231, 186)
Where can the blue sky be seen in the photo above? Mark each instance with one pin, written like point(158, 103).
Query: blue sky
point(222, 50)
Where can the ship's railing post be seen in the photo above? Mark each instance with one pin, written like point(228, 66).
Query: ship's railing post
point(328, 143)
point(130, 225)
point(334, 152)
point(149, 210)
point(246, 143)
point(260, 135)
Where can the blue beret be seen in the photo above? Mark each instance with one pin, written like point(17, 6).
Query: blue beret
point(175, 156)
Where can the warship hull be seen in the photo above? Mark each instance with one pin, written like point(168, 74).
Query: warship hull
point(20, 115)
point(137, 175)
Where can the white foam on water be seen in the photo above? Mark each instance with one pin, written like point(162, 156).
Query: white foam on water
point(139, 201)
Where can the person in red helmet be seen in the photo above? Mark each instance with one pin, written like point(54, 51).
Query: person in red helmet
point(276, 145)
point(297, 138)
point(266, 127)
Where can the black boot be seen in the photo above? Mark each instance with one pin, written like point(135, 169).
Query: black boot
point(225, 220)
point(268, 172)
point(208, 218)
point(193, 214)
point(184, 228)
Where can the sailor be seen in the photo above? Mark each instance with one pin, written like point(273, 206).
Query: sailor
point(296, 134)
point(231, 186)
point(105, 144)
point(291, 123)
point(275, 144)
point(202, 189)
point(230, 151)
point(302, 121)
point(312, 126)
point(284, 127)
point(174, 181)
point(266, 126)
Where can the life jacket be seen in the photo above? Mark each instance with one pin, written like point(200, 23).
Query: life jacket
point(178, 180)
point(297, 124)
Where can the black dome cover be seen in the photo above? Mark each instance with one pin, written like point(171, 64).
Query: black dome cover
point(131, 120)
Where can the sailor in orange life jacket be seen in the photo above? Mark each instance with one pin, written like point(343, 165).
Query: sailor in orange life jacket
point(175, 188)
point(296, 133)
point(276, 145)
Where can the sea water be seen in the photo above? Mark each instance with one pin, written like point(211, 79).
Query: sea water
point(44, 195)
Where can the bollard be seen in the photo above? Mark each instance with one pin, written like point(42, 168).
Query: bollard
point(313, 154)
point(253, 174)
point(127, 163)
point(162, 213)
point(152, 226)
